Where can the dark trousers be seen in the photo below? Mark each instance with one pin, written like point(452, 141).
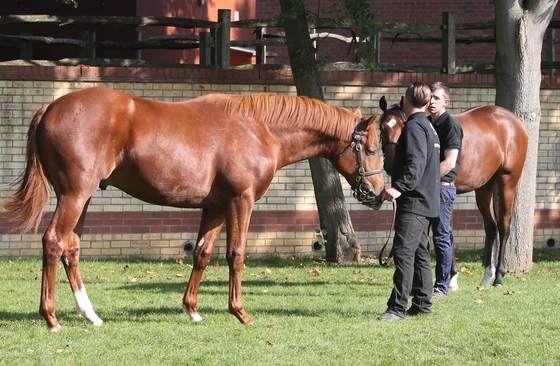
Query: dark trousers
point(441, 228)
point(413, 273)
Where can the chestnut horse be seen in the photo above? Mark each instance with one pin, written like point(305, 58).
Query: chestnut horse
point(492, 157)
point(217, 152)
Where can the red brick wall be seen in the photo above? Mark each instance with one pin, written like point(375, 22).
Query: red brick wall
point(411, 12)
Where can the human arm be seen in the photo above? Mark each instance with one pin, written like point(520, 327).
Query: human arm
point(449, 162)
point(413, 156)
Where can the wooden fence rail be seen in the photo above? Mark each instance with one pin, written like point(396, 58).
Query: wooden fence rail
point(214, 40)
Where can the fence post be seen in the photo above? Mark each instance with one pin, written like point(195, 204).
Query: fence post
point(550, 52)
point(449, 30)
point(88, 51)
point(223, 37)
point(26, 49)
point(260, 49)
point(204, 49)
point(138, 53)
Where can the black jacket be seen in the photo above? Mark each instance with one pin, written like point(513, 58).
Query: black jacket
point(416, 167)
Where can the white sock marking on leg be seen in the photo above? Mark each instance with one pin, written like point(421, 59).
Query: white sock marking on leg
point(488, 275)
point(84, 307)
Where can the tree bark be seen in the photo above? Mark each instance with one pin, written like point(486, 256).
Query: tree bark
point(341, 244)
point(520, 27)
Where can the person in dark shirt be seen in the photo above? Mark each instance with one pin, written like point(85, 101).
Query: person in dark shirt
point(415, 188)
point(450, 135)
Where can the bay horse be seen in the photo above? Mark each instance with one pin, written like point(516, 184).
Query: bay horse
point(492, 158)
point(216, 152)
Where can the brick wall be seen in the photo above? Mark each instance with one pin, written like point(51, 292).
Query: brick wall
point(285, 219)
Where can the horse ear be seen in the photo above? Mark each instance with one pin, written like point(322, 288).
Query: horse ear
point(383, 103)
point(371, 120)
point(401, 103)
point(358, 112)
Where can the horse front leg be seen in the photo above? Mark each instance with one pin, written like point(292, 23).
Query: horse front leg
point(484, 201)
point(70, 260)
point(237, 227)
point(454, 274)
point(210, 227)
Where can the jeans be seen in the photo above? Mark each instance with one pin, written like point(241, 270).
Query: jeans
point(413, 273)
point(441, 229)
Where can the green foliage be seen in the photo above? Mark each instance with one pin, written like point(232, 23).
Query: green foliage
point(360, 14)
point(306, 312)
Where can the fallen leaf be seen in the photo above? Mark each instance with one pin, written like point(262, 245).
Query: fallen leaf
point(179, 261)
point(480, 287)
point(270, 343)
point(315, 271)
point(59, 350)
point(478, 301)
point(356, 271)
point(267, 271)
point(271, 325)
point(179, 275)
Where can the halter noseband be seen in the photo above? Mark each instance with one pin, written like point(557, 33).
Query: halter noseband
point(362, 189)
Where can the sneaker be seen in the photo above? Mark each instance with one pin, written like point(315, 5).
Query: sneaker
point(438, 294)
point(390, 317)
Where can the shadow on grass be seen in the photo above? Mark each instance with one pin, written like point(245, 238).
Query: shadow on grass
point(12, 316)
point(212, 287)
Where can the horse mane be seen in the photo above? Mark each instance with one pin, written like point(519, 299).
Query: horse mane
point(275, 109)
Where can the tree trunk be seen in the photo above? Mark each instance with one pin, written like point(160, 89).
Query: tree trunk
point(341, 244)
point(520, 27)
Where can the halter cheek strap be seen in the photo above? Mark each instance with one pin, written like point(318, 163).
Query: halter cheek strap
point(362, 190)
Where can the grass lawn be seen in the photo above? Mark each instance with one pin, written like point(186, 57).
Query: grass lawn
point(306, 312)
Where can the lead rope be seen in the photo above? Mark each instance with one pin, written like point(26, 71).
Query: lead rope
point(384, 262)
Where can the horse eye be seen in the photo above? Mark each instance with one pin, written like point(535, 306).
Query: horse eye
point(370, 152)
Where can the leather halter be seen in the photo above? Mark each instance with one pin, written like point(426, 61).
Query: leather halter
point(362, 189)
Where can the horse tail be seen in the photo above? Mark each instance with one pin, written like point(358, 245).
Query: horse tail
point(25, 207)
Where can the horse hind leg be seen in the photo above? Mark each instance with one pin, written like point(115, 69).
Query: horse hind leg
point(485, 202)
point(506, 194)
point(61, 242)
point(70, 260)
point(210, 227)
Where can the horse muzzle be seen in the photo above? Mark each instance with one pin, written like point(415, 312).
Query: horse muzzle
point(363, 192)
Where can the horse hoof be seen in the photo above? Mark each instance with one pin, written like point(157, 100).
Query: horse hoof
point(453, 285)
point(196, 317)
point(56, 328)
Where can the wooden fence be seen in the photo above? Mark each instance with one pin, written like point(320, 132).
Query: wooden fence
point(215, 44)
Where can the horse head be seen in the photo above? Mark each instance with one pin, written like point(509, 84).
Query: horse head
point(362, 169)
point(390, 124)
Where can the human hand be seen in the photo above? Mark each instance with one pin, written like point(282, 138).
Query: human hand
point(390, 194)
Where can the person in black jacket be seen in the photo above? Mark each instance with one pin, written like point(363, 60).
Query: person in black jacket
point(415, 183)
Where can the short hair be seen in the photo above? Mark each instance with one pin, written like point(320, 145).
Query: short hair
point(440, 85)
point(418, 94)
